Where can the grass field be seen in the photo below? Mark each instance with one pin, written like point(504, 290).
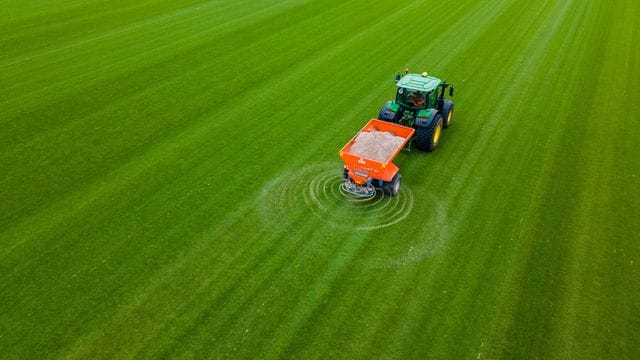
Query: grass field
point(168, 176)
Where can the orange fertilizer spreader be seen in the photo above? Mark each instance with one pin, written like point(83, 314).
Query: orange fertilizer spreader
point(362, 173)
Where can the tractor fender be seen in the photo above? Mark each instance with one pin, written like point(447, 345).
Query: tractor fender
point(425, 117)
point(389, 111)
point(444, 106)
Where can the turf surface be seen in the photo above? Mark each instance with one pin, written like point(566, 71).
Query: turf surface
point(168, 175)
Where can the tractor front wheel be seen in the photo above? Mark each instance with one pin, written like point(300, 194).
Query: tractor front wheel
point(427, 138)
point(393, 187)
point(448, 113)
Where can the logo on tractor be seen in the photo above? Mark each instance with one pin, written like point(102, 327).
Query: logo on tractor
point(361, 161)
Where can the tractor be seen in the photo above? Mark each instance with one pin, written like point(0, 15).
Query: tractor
point(420, 103)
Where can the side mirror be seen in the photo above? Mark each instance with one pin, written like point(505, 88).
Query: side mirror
point(451, 90)
point(397, 77)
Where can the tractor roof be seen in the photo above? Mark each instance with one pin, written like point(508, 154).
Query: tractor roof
point(419, 82)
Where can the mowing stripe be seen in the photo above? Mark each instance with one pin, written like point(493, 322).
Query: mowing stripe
point(170, 180)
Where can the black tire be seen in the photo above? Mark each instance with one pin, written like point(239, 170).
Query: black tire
point(447, 111)
point(345, 173)
point(426, 136)
point(393, 187)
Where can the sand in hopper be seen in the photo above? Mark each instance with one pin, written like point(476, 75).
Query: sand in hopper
point(376, 145)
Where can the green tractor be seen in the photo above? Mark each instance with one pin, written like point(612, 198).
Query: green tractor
point(420, 104)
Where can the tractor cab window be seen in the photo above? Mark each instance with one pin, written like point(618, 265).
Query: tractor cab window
point(412, 98)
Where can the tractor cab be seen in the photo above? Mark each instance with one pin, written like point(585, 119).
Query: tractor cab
point(417, 91)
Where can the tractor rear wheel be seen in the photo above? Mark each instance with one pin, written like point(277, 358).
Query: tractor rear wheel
point(392, 187)
point(427, 138)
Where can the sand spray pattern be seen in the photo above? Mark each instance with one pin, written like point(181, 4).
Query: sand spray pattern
point(317, 187)
point(430, 241)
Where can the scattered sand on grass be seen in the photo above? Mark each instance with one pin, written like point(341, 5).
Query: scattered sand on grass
point(316, 189)
point(376, 145)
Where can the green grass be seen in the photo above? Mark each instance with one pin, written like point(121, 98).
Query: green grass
point(168, 173)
